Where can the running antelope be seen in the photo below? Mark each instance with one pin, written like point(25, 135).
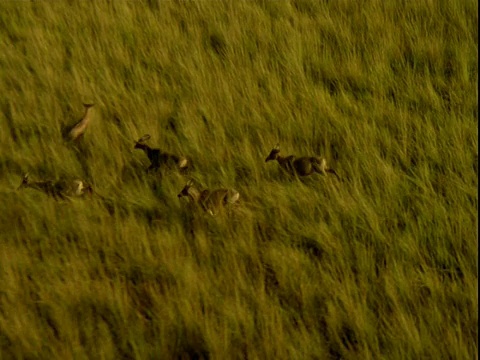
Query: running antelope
point(75, 132)
point(302, 166)
point(160, 159)
point(60, 189)
point(212, 201)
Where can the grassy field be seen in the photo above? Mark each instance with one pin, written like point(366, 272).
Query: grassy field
point(381, 265)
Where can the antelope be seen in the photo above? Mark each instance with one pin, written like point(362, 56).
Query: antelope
point(60, 189)
point(211, 201)
point(158, 158)
point(302, 166)
point(75, 132)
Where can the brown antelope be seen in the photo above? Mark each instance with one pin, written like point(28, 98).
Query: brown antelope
point(60, 189)
point(159, 159)
point(75, 132)
point(211, 201)
point(302, 166)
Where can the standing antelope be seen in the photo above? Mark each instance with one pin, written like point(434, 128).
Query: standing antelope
point(76, 131)
point(60, 189)
point(211, 201)
point(302, 166)
point(160, 159)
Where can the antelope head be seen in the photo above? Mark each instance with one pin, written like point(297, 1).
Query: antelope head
point(274, 153)
point(24, 182)
point(185, 189)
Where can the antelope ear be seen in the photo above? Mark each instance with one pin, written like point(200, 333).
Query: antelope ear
point(277, 147)
point(144, 138)
point(190, 182)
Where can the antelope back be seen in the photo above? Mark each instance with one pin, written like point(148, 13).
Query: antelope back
point(189, 190)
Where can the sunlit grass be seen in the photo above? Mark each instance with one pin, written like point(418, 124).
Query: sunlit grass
point(380, 265)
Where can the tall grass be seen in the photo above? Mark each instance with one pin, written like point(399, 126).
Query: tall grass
point(380, 265)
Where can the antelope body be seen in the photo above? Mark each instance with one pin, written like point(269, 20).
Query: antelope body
point(159, 158)
point(211, 201)
point(76, 131)
point(302, 166)
point(60, 189)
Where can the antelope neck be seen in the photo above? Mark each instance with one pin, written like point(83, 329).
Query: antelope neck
point(86, 116)
point(37, 185)
point(144, 147)
point(281, 158)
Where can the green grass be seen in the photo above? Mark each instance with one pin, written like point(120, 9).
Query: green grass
point(380, 266)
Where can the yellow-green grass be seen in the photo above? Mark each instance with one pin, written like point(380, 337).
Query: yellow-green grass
point(382, 265)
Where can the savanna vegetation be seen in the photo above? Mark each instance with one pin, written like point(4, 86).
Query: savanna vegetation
point(380, 265)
